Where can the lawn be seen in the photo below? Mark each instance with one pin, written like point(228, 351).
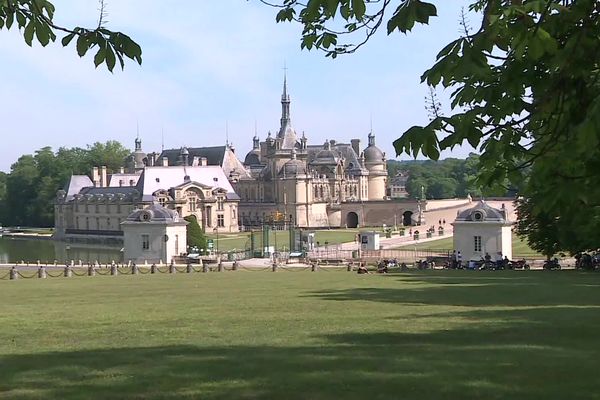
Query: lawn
point(241, 240)
point(302, 335)
point(519, 247)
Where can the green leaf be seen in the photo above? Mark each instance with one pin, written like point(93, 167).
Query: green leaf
point(359, 8)
point(67, 39)
point(110, 58)
point(42, 32)
point(28, 33)
point(82, 45)
point(100, 56)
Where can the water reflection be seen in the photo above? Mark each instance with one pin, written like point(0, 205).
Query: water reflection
point(13, 250)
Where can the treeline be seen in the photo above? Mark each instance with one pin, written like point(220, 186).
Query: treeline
point(445, 179)
point(27, 192)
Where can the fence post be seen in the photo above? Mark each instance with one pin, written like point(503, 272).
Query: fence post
point(274, 269)
point(68, 272)
point(349, 267)
point(153, 269)
point(134, 269)
point(91, 270)
point(220, 268)
point(234, 267)
point(189, 268)
point(13, 273)
point(172, 269)
point(204, 268)
point(113, 270)
point(42, 273)
point(313, 267)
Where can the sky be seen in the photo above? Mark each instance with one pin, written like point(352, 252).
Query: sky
point(213, 70)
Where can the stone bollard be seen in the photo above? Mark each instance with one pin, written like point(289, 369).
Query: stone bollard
point(113, 270)
point(189, 268)
point(235, 266)
point(68, 272)
point(91, 271)
point(313, 268)
point(153, 269)
point(172, 269)
point(42, 273)
point(13, 273)
point(204, 268)
point(134, 269)
point(220, 268)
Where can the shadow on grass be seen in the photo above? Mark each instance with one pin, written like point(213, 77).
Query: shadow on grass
point(480, 289)
point(522, 359)
point(529, 350)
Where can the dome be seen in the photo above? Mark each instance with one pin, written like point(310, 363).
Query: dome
point(373, 154)
point(482, 212)
point(154, 213)
point(252, 158)
point(293, 168)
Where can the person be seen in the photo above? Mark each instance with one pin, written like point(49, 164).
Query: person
point(487, 260)
point(506, 262)
point(403, 267)
point(459, 260)
point(362, 269)
point(499, 261)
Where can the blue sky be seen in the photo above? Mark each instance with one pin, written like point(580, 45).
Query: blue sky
point(208, 65)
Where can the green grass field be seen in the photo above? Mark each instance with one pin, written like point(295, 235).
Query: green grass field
point(241, 240)
point(302, 335)
point(519, 247)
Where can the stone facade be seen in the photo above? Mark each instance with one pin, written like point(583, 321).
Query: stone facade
point(154, 234)
point(87, 211)
point(330, 185)
point(483, 229)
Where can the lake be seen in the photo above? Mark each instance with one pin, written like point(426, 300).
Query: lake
point(13, 250)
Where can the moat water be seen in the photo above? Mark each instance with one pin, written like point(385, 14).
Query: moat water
point(13, 250)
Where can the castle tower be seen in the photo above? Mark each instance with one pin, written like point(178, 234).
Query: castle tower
point(375, 163)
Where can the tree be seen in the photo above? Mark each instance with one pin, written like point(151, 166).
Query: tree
point(195, 234)
point(35, 19)
point(525, 90)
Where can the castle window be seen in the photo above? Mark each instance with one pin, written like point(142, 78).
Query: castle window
point(145, 242)
point(192, 203)
point(220, 203)
point(220, 220)
point(162, 201)
point(477, 242)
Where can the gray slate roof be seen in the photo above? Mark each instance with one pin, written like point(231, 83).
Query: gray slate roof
point(157, 178)
point(75, 184)
point(214, 155)
point(486, 213)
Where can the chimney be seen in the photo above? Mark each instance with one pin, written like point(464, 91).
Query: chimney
point(122, 170)
point(151, 160)
point(165, 161)
point(356, 146)
point(95, 176)
point(195, 161)
point(203, 161)
point(103, 176)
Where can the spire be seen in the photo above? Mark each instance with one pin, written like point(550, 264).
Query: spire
point(371, 139)
point(285, 105)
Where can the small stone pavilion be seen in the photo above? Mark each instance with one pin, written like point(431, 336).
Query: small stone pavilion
point(153, 234)
point(483, 229)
